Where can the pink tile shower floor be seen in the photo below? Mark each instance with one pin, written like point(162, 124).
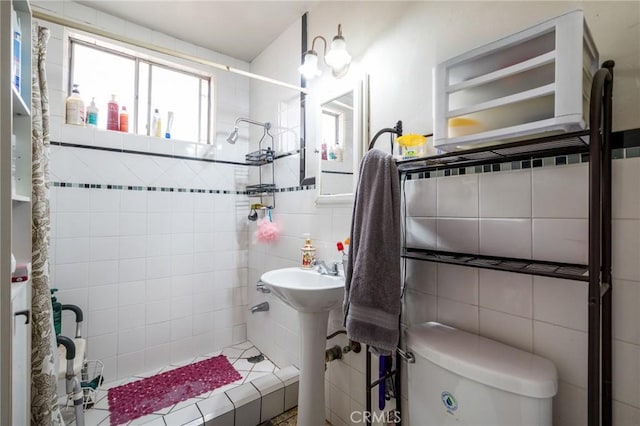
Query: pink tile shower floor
point(135, 399)
point(237, 356)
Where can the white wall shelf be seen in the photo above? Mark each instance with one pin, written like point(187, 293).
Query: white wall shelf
point(15, 215)
point(19, 105)
point(527, 84)
point(20, 198)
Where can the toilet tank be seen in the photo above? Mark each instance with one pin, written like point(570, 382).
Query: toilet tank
point(461, 378)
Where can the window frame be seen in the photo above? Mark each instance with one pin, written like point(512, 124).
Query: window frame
point(138, 58)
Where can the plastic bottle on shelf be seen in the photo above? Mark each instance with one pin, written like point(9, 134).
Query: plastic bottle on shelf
point(167, 134)
point(323, 151)
point(156, 124)
point(338, 151)
point(92, 113)
point(332, 153)
point(113, 119)
point(75, 108)
point(16, 66)
point(124, 120)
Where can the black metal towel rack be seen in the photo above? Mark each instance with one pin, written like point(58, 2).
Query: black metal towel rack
point(596, 143)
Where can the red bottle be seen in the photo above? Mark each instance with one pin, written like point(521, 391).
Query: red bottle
point(113, 122)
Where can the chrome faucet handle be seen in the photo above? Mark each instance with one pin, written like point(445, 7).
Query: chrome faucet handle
point(334, 268)
point(260, 286)
point(323, 269)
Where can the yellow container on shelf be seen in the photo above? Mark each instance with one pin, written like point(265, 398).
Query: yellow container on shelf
point(411, 146)
point(463, 126)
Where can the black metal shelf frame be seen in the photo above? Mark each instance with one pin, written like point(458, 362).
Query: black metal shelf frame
point(595, 142)
point(569, 271)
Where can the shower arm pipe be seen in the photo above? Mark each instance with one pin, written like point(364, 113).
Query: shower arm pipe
point(266, 124)
point(396, 130)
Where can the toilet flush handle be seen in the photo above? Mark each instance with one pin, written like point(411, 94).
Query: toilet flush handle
point(407, 356)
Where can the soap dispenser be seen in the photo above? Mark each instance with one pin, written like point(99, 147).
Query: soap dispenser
point(308, 253)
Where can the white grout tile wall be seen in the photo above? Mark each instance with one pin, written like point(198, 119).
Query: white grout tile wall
point(544, 315)
point(180, 299)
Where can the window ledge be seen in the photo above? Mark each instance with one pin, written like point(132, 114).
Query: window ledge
point(118, 141)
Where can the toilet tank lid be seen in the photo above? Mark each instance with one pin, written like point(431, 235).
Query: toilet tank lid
point(484, 360)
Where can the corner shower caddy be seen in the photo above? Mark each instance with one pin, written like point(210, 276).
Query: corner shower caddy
point(264, 187)
point(596, 143)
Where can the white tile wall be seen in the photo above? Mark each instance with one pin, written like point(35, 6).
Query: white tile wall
point(510, 329)
point(539, 213)
point(561, 192)
point(138, 273)
point(561, 240)
point(505, 194)
point(505, 237)
point(458, 235)
point(508, 292)
point(457, 196)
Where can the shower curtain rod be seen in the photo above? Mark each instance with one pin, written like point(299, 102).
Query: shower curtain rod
point(159, 49)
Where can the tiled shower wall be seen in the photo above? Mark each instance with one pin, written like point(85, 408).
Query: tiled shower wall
point(160, 275)
point(152, 248)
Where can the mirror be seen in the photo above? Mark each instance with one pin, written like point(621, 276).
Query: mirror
point(341, 128)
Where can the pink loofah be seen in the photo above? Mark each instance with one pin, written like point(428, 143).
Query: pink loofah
point(267, 231)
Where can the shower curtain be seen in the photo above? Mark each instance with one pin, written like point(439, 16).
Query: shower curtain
point(44, 398)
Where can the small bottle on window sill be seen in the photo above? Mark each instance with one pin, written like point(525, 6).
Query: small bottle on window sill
point(113, 121)
point(124, 120)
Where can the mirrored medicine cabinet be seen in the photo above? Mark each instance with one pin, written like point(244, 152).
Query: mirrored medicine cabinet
point(341, 132)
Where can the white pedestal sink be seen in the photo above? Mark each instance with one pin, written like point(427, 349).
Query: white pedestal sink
point(313, 295)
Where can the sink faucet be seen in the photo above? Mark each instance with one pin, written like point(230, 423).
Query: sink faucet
point(324, 269)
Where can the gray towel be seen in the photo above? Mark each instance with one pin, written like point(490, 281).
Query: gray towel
point(372, 283)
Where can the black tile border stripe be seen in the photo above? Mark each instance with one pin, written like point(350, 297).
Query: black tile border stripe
point(628, 151)
point(175, 157)
point(169, 189)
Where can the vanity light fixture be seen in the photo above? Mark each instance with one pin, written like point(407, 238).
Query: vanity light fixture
point(338, 59)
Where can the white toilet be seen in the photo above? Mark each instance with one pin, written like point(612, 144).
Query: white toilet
point(461, 378)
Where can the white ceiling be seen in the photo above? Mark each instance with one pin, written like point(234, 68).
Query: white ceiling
point(241, 29)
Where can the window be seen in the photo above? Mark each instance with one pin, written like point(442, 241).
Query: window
point(330, 126)
point(143, 86)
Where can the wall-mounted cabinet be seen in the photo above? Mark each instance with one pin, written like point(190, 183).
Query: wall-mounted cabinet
point(15, 209)
point(529, 83)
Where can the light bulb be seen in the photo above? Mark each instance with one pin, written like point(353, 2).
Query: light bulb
point(338, 57)
point(309, 69)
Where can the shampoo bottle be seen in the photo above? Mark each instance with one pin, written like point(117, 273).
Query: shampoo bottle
point(308, 253)
point(113, 120)
point(167, 134)
point(124, 120)
point(92, 113)
point(156, 124)
point(75, 108)
point(338, 151)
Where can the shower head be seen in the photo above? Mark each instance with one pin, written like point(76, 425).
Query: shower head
point(233, 136)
